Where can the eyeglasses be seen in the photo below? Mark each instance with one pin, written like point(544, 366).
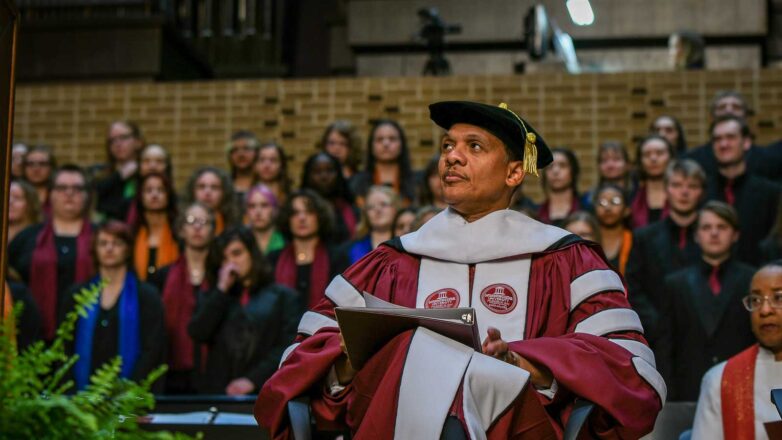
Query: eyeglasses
point(613, 201)
point(37, 163)
point(196, 221)
point(754, 302)
point(381, 205)
point(69, 188)
point(120, 137)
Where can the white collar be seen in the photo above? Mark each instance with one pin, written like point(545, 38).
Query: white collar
point(500, 234)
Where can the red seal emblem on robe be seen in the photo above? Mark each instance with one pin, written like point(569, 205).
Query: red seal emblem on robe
point(499, 298)
point(442, 299)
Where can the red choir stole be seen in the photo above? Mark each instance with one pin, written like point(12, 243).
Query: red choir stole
point(179, 304)
point(345, 211)
point(43, 272)
point(286, 272)
point(737, 395)
point(639, 208)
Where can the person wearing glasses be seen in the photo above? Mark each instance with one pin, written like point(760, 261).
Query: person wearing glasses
point(37, 169)
point(612, 212)
point(667, 245)
point(180, 285)
point(52, 255)
point(734, 399)
point(702, 321)
point(115, 185)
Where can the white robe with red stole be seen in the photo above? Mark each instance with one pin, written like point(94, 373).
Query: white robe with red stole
point(708, 423)
point(562, 307)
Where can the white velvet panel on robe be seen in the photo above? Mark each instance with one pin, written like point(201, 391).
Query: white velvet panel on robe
point(343, 294)
point(431, 376)
point(490, 387)
point(434, 275)
point(591, 283)
point(311, 322)
point(514, 273)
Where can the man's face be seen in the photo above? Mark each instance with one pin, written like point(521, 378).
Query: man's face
point(475, 170)
point(714, 235)
point(728, 143)
point(242, 154)
point(766, 320)
point(730, 105)
point(683, 193)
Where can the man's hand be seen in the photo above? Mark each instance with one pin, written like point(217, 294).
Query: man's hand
point(240, 387)
point(494, 346)
point(342, 367)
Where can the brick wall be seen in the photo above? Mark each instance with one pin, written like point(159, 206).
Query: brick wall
point(195, 119)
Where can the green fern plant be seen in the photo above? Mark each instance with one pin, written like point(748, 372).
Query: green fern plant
point(34, 387)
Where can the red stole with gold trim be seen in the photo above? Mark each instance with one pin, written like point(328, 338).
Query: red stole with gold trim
point(737, 395)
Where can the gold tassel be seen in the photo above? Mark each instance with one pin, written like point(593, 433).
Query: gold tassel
point(530, 162)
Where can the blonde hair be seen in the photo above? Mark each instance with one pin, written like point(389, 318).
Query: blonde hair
point(364, 227)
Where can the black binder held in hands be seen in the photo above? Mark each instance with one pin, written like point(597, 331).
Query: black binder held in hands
point(367, 329)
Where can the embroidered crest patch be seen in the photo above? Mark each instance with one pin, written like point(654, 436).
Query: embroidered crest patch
point(442, 299)
point(499, 298)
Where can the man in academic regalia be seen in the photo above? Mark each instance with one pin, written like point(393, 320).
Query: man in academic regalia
point(554, 315)
point(734, 398)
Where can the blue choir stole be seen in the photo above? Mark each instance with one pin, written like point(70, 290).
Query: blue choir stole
point(360, 248)
point(129, 345)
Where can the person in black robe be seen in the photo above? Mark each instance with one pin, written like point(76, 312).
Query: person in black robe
point(126, 320)
point(754, 198)
point(703, 321)
point(308, 262)
point(764, 162)
point(246, 320)
point(51, 256)
point(180, 285)
point(116, 183)
point(667, 245)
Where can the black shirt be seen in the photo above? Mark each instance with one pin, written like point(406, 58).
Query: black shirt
point(152, 338)
point(756, 202)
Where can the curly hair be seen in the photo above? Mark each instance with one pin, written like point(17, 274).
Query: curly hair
point(227, 207)
point(315, 204)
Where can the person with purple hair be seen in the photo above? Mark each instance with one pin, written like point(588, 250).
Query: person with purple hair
point(261, 208)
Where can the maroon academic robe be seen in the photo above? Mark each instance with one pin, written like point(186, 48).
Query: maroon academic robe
point(555, 300)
